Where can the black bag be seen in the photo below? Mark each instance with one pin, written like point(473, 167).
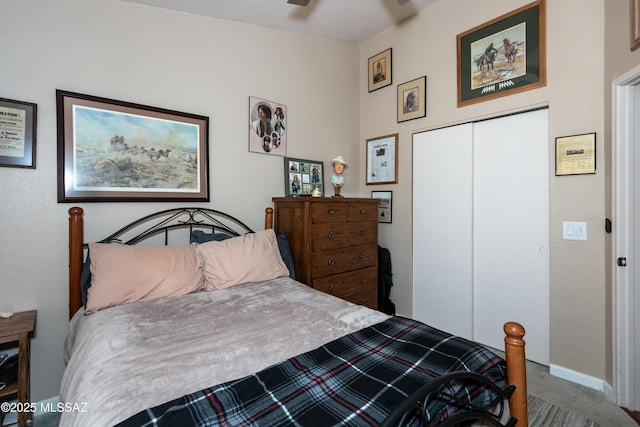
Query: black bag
point(9, 370)
point(384, 282)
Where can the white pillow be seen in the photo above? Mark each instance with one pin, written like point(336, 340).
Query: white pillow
point(253, 257)
point(122, 274)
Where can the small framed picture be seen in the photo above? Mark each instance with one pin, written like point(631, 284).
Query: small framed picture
point(18, 133)
point(380, 70)
point(303, 177)
point(382, 160)
point(267, 127)
point(576, 154)
point(384, 205)
point(412, 99)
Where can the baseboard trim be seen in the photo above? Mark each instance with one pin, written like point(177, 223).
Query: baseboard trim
point(582, 379)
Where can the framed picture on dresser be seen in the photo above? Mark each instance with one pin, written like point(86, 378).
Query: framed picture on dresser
point(303, 177)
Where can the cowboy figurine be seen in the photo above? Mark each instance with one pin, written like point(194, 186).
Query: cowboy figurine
point(337, 180)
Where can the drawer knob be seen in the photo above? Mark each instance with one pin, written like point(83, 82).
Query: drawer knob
point(362, 256)
point(363, 232)
point(331, 261)
point(363, 280)
point(331, 212)
point(331, 235)
point(362, 211)
point(332, 289)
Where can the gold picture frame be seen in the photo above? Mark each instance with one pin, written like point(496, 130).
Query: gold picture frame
point(380, 71)
point(412, 99)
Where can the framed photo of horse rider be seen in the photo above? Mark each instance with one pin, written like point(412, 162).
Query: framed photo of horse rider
point(504, 56)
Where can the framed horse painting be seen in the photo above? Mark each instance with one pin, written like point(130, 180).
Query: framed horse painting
point(504, 56)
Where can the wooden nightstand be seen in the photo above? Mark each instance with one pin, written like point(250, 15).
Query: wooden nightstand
point(17, 328)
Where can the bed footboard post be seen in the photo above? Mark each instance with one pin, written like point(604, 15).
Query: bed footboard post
point(516, 371)
point(268, 218)
point(76, 239)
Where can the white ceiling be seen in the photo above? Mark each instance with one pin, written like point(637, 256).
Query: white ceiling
point(354, 20)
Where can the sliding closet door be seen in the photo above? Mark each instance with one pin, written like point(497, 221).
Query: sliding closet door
point(481, 229)
point(511, 230)
point(442, 234)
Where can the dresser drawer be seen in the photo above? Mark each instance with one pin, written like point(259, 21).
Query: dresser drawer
point(358, 287)
point(362, 212)
point(336, 261)
point(329, 236)
point(329, 212)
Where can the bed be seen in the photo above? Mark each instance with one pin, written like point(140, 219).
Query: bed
point(234, 339)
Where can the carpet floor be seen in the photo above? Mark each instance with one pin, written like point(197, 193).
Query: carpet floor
point(544, 413)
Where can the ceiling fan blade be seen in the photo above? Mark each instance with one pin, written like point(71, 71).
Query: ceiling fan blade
point(299, 2)
point(401, 2)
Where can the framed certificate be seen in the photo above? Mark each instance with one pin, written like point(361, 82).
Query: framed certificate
point(382, 160)
point(18, 133)
point(576, 154)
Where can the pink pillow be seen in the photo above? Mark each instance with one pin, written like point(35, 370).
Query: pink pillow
point(122, 274)
point(254, 257)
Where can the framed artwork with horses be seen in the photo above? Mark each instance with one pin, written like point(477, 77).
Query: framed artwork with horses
point(115, 151)
point(504, 56)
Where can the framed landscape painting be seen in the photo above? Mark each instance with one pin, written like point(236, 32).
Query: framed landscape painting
point(115, 151)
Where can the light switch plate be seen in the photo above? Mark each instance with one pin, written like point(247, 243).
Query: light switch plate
point(574, 230)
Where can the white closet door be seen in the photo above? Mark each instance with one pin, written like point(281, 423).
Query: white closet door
point(481, 229)
point(511, 230)
point(442, 234)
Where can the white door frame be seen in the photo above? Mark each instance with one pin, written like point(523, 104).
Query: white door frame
point(623, 134)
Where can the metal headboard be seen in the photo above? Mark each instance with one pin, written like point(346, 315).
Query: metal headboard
point(187, 217)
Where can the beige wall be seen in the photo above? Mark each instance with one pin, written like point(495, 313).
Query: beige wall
point(426, 45)
point(210, 67)
point(165, 59)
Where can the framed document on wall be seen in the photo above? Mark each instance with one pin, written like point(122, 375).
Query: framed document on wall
point(382, 160)
point(576, 154)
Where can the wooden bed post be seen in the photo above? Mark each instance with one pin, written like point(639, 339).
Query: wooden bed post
point(516, 371)
point(76, 240)
point(268, 218)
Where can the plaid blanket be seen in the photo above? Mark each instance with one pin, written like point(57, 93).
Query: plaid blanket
point(355, 380)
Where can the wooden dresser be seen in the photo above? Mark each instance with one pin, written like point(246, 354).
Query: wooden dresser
point(334, 244)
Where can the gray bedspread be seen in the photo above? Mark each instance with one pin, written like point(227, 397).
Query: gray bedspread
point(128, 358)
